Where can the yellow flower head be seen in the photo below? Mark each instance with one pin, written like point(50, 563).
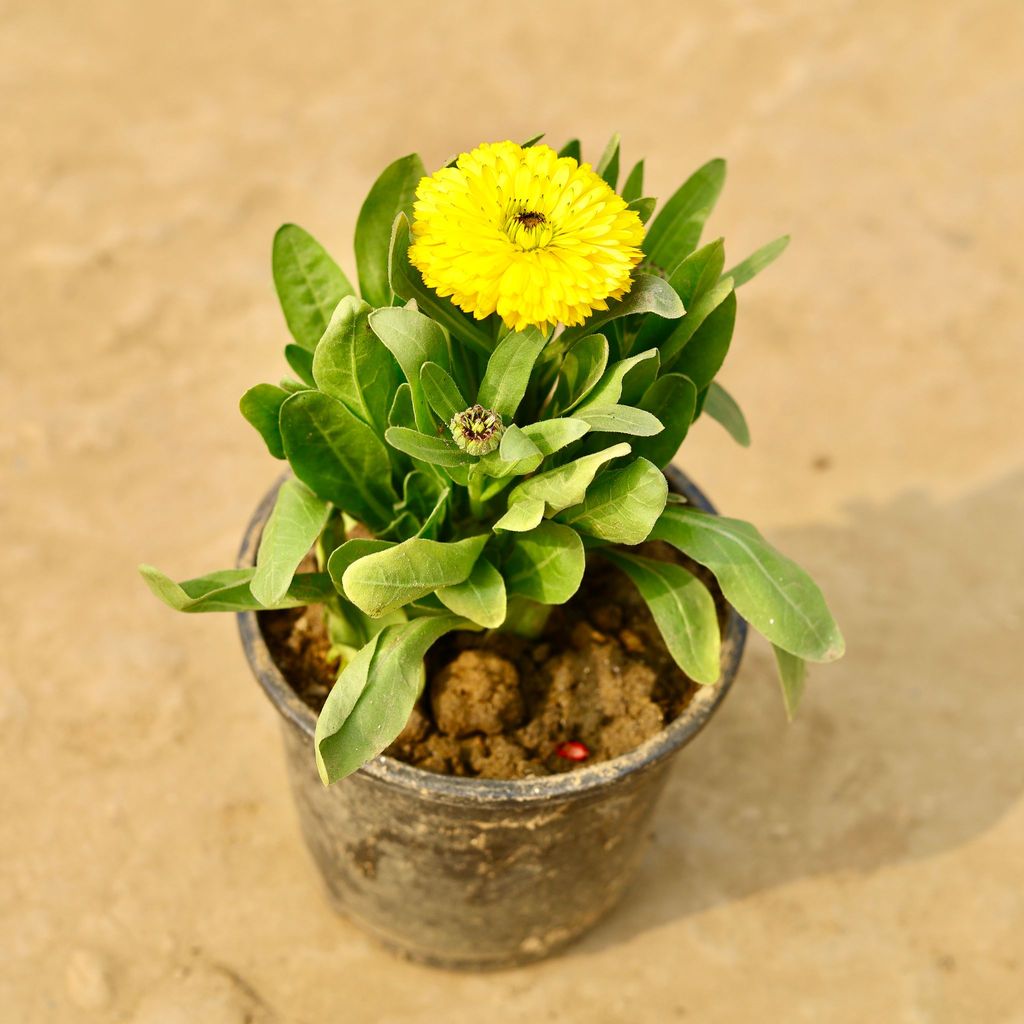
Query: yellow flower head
point(537, 237)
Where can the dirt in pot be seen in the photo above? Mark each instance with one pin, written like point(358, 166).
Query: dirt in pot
point(596, 684)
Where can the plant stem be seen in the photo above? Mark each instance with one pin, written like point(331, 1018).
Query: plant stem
point(476, 503)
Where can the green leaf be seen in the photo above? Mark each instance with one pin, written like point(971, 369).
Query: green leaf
point(701, 398)
point(345, 628)
point(403, 526)
point(421, 490)
point(374, 696)
point(699, 272)
point(672, 398)
point(675, 232)
point(756, 262)
point(633, 188)
point(622, 505)
point(348, 628)
point(427, 447)
point(582, 367)
point(523, 515)
point(479, 598)
point(769, 590)
point(620, 419)
point(643, 207)
point(571, 149)
point(402, 413)
point(683, 611)
point(351, 551)
point(517, 455)
point(338, 457)
point(705, 352)
point(295, 523)
point(648, 294)
point(553, 435)
point(722, 407)
point(352, 365)
point(546, 564)
point(407, 283)
point(608, 165)
point(261, 406)
point(301, 361)
point(466, 367)
point(513, 458)
point(386, 580)
point(703, 310)
point(691, 280)
point(413, 339)
point(309, 283)
point(516, 444)
point(616, 380)
point(639, 379)
point(565, 485)
point(508, 371)
point(228, 590)
point(441, 392)
point(334, 759)
point(331, 536)
point(458, 474)
point(432, 524)
point(792, 676)
point(392, 193)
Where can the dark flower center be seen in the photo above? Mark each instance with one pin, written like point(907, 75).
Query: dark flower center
point(478, 423)
point(529, 219)
point(477, 430)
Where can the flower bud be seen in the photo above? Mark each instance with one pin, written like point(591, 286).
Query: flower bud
point(477, 431)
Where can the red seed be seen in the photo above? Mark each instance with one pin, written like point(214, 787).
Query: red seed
point(573, 750)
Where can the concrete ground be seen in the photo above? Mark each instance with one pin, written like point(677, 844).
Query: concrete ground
point(863, 865)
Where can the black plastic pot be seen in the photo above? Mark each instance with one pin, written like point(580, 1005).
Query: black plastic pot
point(477, 873)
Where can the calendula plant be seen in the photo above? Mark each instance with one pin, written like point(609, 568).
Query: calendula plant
point(522, 360)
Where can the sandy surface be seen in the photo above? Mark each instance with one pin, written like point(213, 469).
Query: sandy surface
point(865, 864)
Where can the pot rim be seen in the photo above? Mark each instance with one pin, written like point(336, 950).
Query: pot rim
point(390, 771)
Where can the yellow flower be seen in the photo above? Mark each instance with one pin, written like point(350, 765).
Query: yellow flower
point(539, 238)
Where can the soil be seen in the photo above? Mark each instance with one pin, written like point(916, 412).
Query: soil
point(503, 707)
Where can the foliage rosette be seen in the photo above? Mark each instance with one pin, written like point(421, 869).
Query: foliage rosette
point(500, 397)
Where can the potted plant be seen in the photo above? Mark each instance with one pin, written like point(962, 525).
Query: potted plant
point(507, 607)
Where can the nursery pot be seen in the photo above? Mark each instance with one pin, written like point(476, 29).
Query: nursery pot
point(477, 873)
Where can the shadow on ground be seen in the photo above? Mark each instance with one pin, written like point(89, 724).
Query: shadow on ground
point(910, 746)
